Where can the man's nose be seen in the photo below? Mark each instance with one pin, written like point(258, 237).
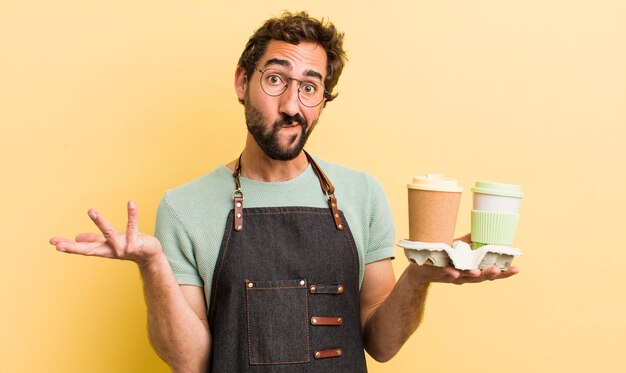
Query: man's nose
point(289, 101)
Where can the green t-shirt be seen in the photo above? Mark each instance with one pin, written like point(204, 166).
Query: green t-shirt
point(191, 218)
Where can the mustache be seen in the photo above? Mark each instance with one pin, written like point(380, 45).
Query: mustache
point(286, 120)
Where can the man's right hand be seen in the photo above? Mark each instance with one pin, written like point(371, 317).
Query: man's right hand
point(130, 245)
point(177, 322)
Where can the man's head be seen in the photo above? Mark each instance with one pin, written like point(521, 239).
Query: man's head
point(284, 77)
point(295, 29)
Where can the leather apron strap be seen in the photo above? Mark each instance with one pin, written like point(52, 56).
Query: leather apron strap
point(327, 188)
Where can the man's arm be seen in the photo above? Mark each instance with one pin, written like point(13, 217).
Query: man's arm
point(391, 311)
point(177, 322)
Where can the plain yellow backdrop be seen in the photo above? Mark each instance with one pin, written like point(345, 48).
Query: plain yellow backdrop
point(105, 101)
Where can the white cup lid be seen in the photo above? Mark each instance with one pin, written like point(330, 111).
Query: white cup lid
point(435, 182)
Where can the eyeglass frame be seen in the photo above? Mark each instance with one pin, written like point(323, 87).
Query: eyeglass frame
point(289, 79)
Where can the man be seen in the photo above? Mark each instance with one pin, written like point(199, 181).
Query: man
point(276, 261)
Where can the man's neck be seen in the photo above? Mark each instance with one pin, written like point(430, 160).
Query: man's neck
point(256, 165)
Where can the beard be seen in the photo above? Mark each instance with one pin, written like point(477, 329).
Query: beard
point(269, 140)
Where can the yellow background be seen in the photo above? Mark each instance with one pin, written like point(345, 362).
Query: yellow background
point(104, 101)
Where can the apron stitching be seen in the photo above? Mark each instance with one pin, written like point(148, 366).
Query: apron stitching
point(214, 293)
point(248, 326)
point(286, 212)
point(306, 326)
point(352, 248)
point(308, 343)
point(277, 287)
point(283, 362)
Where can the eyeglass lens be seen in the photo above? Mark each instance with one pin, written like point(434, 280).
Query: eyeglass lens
point(275, 83)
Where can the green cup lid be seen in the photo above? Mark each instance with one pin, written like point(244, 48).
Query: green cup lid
point(498, 189)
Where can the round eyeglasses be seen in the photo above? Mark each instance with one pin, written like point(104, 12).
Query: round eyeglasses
point(274, 83)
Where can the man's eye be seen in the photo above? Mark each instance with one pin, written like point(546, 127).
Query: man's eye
point(274, 79)
point(309, 88)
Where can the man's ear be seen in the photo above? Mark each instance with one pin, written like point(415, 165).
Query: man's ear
point(241, 83)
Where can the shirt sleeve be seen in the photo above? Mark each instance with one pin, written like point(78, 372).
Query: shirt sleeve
point(177, 245)
point(382, 231)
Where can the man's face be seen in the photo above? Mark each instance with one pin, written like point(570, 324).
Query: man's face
point(280, 125)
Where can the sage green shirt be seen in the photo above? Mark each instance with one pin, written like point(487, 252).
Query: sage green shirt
point(192, 217)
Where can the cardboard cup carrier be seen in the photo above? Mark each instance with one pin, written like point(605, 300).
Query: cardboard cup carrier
point(434, 202)
point(433, 207)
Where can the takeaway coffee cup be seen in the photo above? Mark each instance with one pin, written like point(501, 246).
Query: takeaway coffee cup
point(433, 207)
point(495, 213)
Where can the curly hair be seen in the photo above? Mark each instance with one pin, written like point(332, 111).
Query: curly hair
point(294, 29)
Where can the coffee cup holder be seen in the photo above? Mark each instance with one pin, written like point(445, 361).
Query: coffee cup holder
point(460, 255)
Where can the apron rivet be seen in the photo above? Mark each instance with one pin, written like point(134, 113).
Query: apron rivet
point(339, 320)
point(317, 354)
point(338, 352)
point(250, 285)
point(312, 289)
point(301, 282)
point(314, 320)
point(340, 289)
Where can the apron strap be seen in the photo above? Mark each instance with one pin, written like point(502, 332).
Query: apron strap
point(327, 188)
point(238, 197)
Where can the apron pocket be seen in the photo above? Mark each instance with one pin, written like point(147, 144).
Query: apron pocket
point(277, 320)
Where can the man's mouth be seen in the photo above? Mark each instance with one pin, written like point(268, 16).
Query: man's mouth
point(288, 121)
point(293, 124)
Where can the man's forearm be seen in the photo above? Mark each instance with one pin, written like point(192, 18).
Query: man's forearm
point(178, 335)
point(396, 318)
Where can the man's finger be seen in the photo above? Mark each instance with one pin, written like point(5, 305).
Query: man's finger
point(471, 273)
point(446, 274)
point(132, 229)
point(55, 240)
point(109, 233)
point(84, 248)
point(90, 237)
point(491, 273)
point(508, 273)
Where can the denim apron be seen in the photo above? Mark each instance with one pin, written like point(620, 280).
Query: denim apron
point(285, 293)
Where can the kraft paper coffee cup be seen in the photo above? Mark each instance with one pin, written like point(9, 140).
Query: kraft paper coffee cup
point(433, 208)
point(495, 214)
